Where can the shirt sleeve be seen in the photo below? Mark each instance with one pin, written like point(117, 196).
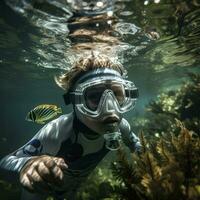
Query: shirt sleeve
point(129, 138)
point(45, 142)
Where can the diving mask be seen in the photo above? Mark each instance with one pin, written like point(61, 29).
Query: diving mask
point(102, 89)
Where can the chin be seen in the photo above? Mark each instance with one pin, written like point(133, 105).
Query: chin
point(111, 127)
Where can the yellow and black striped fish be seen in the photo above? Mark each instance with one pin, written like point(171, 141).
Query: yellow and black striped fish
point(42, 113)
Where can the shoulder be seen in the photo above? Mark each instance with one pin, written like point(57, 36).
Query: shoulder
point(57, 129)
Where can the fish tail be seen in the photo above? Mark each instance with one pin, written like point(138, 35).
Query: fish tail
point(28, 119)
point(30, 116)
point(59, 110)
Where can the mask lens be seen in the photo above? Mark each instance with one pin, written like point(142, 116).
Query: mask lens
point(119, 92)
point(93, 94)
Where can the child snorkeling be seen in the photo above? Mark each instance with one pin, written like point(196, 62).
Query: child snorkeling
point(64, 152)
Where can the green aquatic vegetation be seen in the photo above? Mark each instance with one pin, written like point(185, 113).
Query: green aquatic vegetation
point(182, 104)
point(128, 181)
point(166, 169)
point(99, 185)
point(9, 191)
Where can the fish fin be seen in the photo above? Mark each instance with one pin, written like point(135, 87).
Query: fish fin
point(40, 122)
point(26, 118)
point(59, 110)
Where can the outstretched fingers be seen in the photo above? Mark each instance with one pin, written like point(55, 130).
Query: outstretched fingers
point(43, 173)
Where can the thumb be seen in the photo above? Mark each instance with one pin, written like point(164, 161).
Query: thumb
point(61, 163)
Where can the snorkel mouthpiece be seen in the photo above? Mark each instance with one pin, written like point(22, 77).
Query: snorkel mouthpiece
point(113, 140)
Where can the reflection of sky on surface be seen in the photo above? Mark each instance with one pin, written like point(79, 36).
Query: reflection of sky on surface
point(35, 45)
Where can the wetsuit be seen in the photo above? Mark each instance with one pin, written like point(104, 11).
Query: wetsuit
point(63, 137)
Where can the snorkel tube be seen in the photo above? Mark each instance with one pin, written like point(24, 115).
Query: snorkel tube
point(113, 140)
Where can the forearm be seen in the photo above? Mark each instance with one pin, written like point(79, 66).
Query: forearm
point(10, 167)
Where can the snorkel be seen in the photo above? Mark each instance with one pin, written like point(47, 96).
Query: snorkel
point(100, 97)
point(113, 140)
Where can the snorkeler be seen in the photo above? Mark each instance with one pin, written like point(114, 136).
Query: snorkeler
point(66, 150)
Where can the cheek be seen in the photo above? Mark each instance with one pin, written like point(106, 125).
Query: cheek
point(95, 123)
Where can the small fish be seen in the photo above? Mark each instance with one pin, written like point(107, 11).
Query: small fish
point(42, 113)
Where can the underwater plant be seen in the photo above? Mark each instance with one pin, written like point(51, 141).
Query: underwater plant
point(166, 169)
point(9, 191)
point(182, 104)
point(99, 185)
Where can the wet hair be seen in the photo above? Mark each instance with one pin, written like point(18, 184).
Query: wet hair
point(66, 80)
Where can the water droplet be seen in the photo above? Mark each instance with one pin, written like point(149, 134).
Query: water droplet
point(99, 4)
point(109, 22)
point(110, 13)
point(157, 135)
point(126, 13)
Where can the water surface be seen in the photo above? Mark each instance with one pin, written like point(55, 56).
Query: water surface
point(40, 40)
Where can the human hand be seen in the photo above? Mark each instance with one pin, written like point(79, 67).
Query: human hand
point(41, 173)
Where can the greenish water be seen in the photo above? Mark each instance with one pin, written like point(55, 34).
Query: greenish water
point(34, 46)
point(36, 43)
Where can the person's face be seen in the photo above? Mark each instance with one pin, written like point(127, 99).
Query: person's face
point(104, 98)
point(100, 102)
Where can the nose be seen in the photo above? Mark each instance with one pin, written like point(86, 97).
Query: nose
point(109, 110)
point(110, 105)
